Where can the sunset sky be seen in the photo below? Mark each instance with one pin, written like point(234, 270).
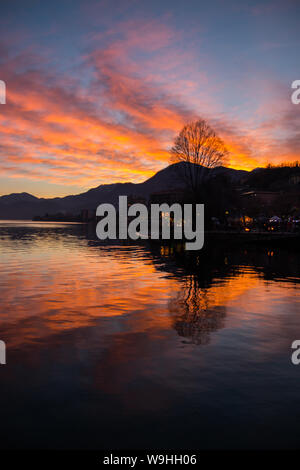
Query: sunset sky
point(97, 90)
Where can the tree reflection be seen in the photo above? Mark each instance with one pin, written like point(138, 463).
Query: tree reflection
point(193, 315)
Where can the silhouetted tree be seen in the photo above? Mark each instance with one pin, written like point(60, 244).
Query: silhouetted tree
point(200, 148)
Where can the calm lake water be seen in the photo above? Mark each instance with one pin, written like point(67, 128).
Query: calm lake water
point(145, 347)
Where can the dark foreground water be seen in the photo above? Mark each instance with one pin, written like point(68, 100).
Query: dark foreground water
point(140, 347)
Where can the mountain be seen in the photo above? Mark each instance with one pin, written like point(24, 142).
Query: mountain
point(18, 197)
point(278, 178)
point(26, 206)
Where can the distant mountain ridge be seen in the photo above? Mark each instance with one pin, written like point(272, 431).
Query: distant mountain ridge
point(26, 206)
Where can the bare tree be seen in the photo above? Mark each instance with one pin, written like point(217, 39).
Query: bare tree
point(199, 146)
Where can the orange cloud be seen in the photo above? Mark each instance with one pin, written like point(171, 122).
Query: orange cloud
point(120, 124)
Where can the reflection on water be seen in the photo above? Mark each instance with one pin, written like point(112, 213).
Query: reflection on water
point(145, 346)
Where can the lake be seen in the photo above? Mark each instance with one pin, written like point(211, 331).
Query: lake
point(141, 346)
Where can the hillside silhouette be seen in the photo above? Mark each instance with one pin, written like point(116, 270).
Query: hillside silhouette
point(27, 206)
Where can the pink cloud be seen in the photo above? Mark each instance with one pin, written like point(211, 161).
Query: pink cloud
point(142, 89)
